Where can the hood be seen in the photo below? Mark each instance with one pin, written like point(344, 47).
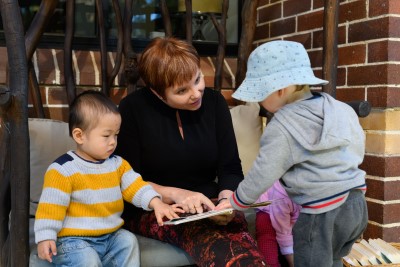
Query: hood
point(319, 123)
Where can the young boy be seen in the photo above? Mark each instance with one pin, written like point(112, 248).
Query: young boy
point(82, 199)
point(314, 145)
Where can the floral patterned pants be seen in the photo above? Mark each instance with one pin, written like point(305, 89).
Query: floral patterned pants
point(207, 243)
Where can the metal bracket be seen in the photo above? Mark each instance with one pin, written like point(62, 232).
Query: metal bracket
point(5, 96)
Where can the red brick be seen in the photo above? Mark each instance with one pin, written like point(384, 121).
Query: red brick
point(318, 39)
point(383, 7)
point(391, 213)
point(283, 27)
point(316, 58)
point(383, 213)
point(376, 74)
point(45, 62)
point(386, 97)
point(318, 3)
point(268, 13)
point(263, 2)
point(57, 96)
point(310, 21)
point(86, 69)
point(341, 76)
point(262, 32)
point(391, 234)
point(352, 54)
point(350, 94)
point(3, 65)
point(383, 190)
point(382, 51)
point(374, 29)
point(291, 8)
point(375, 212)
point(352, 11)
point(304, 38)
point(381, 166)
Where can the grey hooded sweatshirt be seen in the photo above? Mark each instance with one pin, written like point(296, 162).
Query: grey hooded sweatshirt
point(315, 147)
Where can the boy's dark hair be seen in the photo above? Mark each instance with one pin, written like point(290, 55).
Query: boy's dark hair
point(86, 110)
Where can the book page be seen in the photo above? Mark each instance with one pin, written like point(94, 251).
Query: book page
point(198, 216)
point(188, 217)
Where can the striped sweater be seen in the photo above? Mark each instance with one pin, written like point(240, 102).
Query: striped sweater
point(82, 198)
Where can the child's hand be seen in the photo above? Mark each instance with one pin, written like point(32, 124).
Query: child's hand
point(162, 210)
point(46, 249)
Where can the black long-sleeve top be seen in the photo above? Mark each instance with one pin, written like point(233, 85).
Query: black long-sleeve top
point(150, 141)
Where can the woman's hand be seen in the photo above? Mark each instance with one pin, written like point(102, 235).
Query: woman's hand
point(162, 210)
point(223, 203)
point(192, 202)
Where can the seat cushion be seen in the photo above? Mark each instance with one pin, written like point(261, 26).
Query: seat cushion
point(247, 125)
point(49, 139)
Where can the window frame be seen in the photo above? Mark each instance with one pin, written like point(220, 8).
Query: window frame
point(204, 48)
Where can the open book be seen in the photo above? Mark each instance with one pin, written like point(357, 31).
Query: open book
point(188, 217)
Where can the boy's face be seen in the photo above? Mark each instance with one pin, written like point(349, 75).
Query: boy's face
point(100, 142)
point(273, 102)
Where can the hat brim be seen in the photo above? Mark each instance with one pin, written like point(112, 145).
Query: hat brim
point(258, 89)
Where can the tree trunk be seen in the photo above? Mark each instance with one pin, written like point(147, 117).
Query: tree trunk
point(249, 15)
point(330, 50)
point(16, 115)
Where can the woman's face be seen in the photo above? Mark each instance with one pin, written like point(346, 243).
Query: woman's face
point(186, 96)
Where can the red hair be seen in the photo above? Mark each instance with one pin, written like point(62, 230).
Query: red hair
point(168, 62)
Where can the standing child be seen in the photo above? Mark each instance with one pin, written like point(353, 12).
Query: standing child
point(274, 225)
point(78, 220)
point(314, 144)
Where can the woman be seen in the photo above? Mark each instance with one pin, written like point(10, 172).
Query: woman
point(179, 136)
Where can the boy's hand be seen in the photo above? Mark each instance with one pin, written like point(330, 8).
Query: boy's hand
point(162, 210)
point(46, 249)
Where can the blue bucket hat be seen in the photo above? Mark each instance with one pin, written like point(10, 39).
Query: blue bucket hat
point(273, 66)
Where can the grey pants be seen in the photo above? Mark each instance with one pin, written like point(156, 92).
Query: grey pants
point(323, 239)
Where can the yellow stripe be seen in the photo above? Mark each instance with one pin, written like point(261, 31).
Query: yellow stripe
point(54, 179)
point(95, 181)
point(87, 232)
point(50, 211)
point(80, 181)
point(131, 191)
point(95, 210)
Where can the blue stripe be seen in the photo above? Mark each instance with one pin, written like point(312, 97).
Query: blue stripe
point(241, 201)
point(333, 197)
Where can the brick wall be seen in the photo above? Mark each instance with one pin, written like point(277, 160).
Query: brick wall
point(368, 69)
point(49, 68)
